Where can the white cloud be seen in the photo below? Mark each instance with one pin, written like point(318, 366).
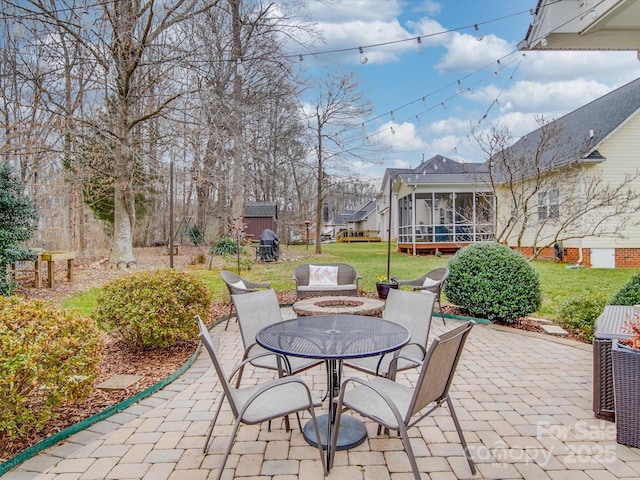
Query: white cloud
point(430, 7)
point(603, 66)
point(338, 11)
point(466, 54)
point(400, 163)
point(552, 99)
point(400, 137)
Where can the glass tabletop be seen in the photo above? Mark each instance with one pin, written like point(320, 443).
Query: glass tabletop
point(333, 336)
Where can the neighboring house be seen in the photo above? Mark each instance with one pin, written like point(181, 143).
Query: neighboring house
point(258, 217)
point(338, 223)
point(440, 206)
point(597, 154)
point(443, 205)
point(362, 225)
point(584, 25)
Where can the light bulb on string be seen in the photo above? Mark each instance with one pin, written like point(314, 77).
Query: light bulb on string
point(18, 31)
point(392, 117)
point(443, 105)
point(418, 118)
point(459, 88)
point(85, 20)
point(420, 46)
point(240, 70)
point(424, 99)
point(479, 35)
point(362, 129)
point(301, 62)
point(544, 42)
point(363, 57)
point(393, 132)
point(594, 15)
point(534, 17)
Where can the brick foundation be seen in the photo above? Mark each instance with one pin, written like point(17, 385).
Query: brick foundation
point(625, 257)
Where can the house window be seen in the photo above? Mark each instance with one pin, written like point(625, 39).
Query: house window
point(549, 204)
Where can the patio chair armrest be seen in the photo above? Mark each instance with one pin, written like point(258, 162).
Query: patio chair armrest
point(257, 284)
point(435, 289)
point(415, 282)
point(285, 360)
point(365, 383)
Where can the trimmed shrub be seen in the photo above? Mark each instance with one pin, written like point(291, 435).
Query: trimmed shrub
point(47, 358)
point(492, 281)
point(629, 294)
point(579, 314)
point(153, 309)
point(224, 245)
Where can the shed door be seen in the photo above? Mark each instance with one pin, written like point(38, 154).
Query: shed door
point(603, 258)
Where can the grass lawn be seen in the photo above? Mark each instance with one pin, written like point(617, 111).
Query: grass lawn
point(370, 260)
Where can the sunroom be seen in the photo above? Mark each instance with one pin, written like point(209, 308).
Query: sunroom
point(443, 212)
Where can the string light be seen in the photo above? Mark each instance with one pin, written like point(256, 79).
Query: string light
point(363, 57)
point(393, 132)
point(420, 46)
point(460, 89)
point(392, 117)
point(479, 35)
point(534, 17)
point(240, 70)
point(544, 42)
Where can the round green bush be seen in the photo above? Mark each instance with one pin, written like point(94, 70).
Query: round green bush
point(492, 281)
point(153, 309)
point(629, 294)
point(47, 358)
point(579, 314)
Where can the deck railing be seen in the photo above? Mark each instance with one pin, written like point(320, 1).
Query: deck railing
point(448, 233)
point(358, 236)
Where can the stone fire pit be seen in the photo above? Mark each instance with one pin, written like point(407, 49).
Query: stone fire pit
point(338, 306)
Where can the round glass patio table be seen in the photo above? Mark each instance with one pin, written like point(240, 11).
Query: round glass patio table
point(334, 338)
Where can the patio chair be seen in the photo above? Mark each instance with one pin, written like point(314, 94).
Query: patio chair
point(238, 285)
point(413, 311)
point(394, 405)
point(258, 403)
point(432, 281)
point(256, 310)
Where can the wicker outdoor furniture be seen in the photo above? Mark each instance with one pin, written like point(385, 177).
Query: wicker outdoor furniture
point(322, 279)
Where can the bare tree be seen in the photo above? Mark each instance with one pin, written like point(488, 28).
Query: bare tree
point(332, 122)
point(548, 189)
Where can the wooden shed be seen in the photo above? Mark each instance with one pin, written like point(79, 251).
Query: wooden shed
point(259, 216)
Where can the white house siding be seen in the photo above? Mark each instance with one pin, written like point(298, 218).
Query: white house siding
point(622, 153)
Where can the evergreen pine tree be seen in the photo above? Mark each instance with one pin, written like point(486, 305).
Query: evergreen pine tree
point(17, 224)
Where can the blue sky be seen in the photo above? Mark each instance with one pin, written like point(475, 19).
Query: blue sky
point(539, 83)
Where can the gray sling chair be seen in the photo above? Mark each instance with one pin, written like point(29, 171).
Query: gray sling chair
point(393, 405)
point(413, 311)
point(433, 282)
point(256, 310)
point(257, 403)
point(238, 285)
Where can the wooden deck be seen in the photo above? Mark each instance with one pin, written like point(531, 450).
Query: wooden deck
point(358, 236)
point(431, 248)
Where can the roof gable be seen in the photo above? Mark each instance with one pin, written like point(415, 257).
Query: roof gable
point(261, 209)
point(581, 131)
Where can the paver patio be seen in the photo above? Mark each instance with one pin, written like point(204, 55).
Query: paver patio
point(524, 401)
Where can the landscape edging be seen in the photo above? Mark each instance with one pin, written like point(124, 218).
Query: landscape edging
point(33, 450)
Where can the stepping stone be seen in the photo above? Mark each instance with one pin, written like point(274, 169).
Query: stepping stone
point(554, 330)
point(119, 382)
